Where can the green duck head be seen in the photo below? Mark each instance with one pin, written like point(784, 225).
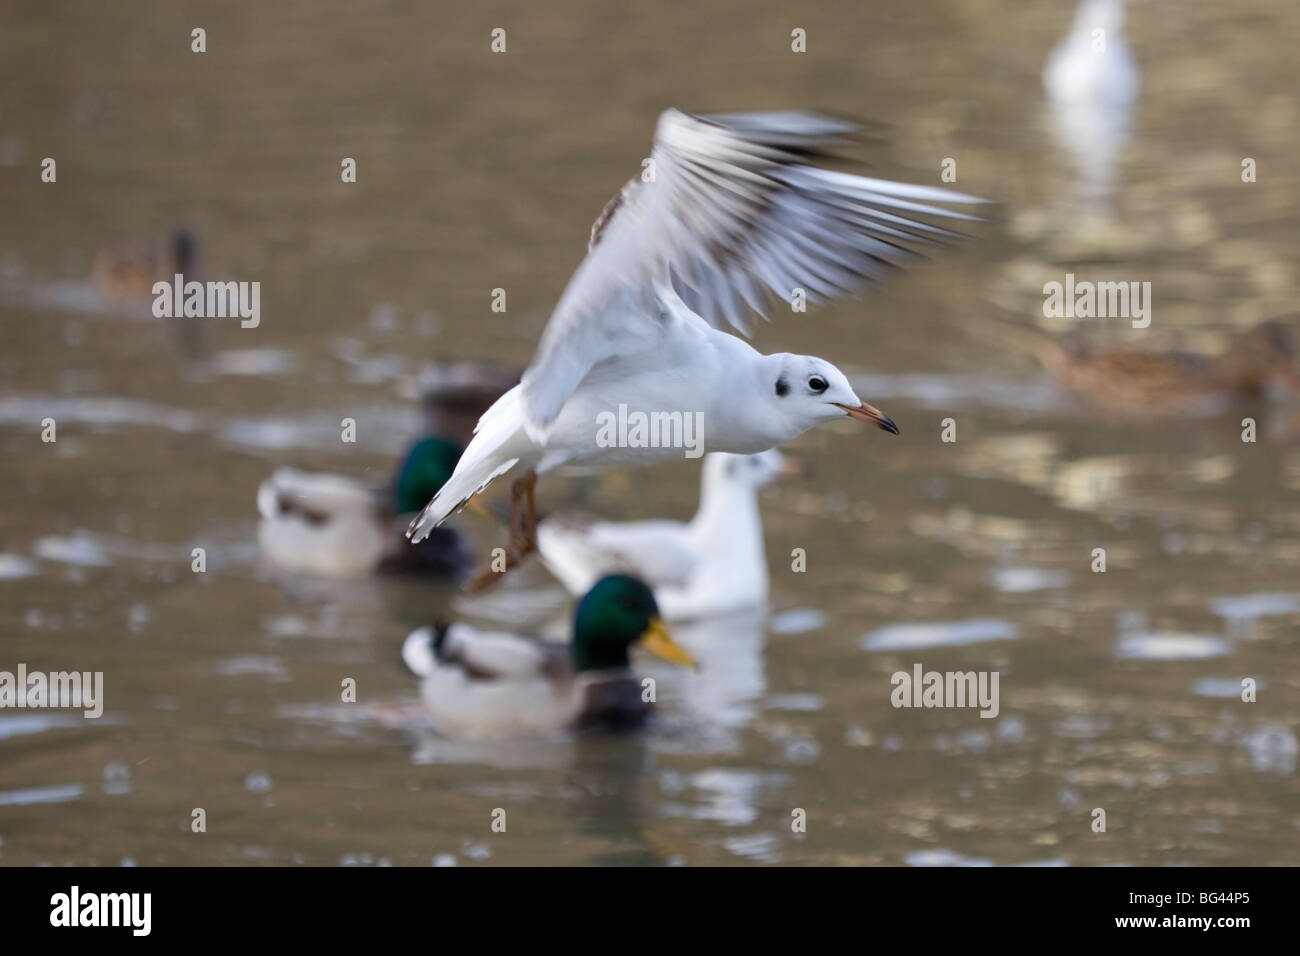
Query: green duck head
point(616, 613)
point(425, 469)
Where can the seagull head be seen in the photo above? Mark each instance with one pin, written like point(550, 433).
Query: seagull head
point(806, 391)
point(750, 471)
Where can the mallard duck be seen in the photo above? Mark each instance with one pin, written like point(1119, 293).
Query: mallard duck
point(128, 269)
point(1256, 361)
point(478, 684)
point(338, 526)
point(126, 272)
point(711, 565)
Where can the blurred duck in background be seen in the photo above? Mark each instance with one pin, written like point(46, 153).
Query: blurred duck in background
point(336, 526)
point(478, 684)
point(1092, 82)
point(454, 395)
point(126, 272)
point(128, 269)
point(1257, 362)
point(713, 564)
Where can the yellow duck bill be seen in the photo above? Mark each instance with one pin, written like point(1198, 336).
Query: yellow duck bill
point(660, 643)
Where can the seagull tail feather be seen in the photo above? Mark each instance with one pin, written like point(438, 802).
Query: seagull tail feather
point(462, 486)
point(487, 458)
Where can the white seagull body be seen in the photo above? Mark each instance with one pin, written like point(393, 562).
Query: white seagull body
point(725, 217)
point(713, 564)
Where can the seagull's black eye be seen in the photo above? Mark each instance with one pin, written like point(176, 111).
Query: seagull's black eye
point(818, 384)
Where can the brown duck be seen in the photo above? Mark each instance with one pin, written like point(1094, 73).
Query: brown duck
point(1257, 361)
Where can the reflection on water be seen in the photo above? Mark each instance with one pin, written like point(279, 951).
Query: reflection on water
point(1120, 688)
point(724, 692)
point(920, 636)
point(1092, 82)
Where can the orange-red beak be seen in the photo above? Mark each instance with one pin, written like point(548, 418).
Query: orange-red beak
point(871, 414)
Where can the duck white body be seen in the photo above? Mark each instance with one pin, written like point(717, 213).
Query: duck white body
point(531, 692)
point(336, 526)
point(713, 564)
point(321, 524)
point(479, 684)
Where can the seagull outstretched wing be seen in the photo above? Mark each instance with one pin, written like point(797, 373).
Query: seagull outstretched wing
point(729, 212)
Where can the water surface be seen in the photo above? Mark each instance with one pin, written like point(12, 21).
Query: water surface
point(1119, 690)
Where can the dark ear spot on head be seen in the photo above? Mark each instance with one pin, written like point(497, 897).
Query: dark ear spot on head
point(782, 388)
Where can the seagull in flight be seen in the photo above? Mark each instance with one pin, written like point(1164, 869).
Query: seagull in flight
point(728, 215)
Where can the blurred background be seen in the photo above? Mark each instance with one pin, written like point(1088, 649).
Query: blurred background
point(478, 171)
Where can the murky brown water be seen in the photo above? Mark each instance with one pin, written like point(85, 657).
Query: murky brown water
point(1118, 690)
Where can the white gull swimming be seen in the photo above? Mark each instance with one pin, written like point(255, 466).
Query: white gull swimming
point(713, 564)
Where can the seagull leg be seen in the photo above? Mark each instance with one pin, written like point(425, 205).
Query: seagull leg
point(523, 536)
point(528, 542)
